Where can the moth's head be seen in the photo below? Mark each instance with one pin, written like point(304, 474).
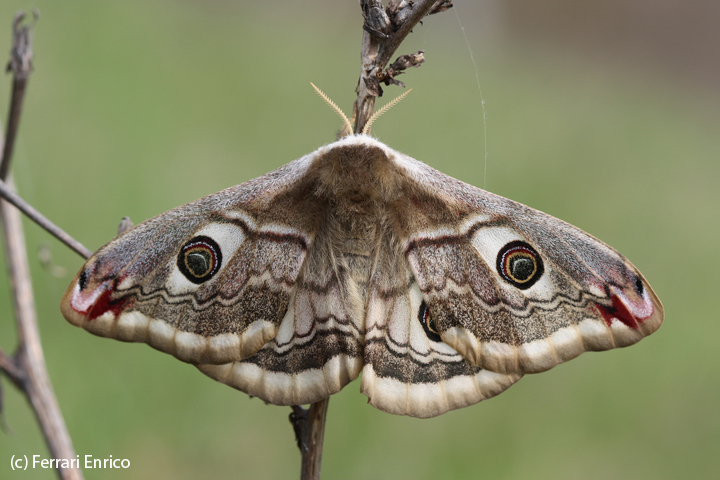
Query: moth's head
point(358, 170)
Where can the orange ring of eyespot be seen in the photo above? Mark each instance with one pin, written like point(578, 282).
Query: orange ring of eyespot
point(196, 249)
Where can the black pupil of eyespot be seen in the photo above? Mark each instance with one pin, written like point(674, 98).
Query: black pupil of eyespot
point(521, 267)
point(199, 262)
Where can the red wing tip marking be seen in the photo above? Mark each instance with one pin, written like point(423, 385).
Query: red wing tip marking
point(619, 311)
point(96, 302)
point(104, 304)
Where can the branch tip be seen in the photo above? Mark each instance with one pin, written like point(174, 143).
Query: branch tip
point(21, 53)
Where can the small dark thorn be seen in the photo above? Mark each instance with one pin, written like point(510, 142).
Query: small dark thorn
point(125, 225)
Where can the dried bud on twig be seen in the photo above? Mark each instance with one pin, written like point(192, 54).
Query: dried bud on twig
point(21, 53)
point(376, 20)
point(385, 29)
point(402, 63)
point(440, 6)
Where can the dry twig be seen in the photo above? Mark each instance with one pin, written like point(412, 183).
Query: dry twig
point(26, 369)
point(309, 427)
point(9, 194)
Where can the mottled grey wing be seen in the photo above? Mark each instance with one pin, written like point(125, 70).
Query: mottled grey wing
point(207, 282)
point(512, 289)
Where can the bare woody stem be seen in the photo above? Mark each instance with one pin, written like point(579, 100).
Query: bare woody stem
point(21, 66)
point(27, 368)
point(309, 427)
point(384, 30)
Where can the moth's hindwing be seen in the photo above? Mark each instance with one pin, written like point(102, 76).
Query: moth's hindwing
point(409, 370)
point(318, 347)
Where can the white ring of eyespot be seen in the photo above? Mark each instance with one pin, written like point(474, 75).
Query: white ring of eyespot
point(228, 236)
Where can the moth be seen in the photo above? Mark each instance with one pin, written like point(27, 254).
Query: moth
point(357, 258)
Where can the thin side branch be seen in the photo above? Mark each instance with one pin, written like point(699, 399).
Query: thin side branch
point(9, 194)
point(27, 368)
point(8, 365)
point(399, 66)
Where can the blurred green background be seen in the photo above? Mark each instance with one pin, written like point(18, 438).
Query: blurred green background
point(136, 107)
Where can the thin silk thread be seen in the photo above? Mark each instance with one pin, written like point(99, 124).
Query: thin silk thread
point(482, 100)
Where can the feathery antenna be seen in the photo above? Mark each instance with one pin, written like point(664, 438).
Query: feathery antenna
point(384, 109)
point(332, 104)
